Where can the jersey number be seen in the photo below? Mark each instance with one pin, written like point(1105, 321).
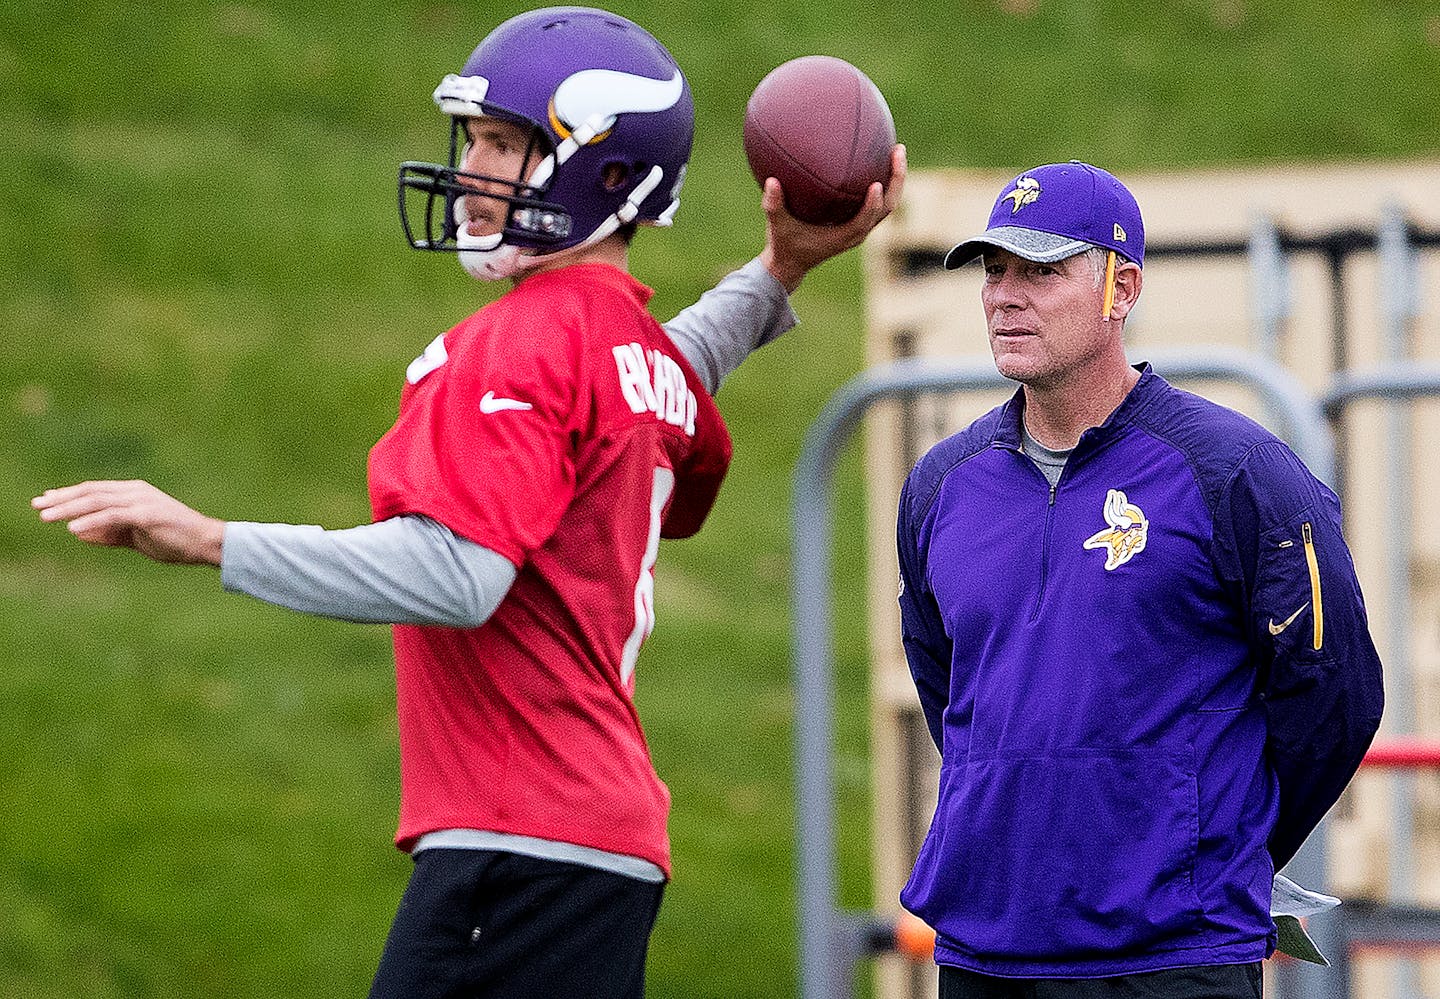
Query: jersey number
point(427, 362)
point(660, 492)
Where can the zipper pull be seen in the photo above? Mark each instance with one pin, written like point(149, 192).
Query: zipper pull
point(1313, 564)
point(1052, 495)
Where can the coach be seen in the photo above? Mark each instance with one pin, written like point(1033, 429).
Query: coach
point(1136, 634)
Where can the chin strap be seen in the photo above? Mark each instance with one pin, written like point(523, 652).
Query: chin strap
point(667, 217)
point(487, 259)
point(631, 208)
point(491, 261)
point(590, 128)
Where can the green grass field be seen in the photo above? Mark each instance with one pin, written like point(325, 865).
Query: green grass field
point(205, 285)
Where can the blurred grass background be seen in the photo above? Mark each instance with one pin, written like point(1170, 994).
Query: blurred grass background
point(205, 286)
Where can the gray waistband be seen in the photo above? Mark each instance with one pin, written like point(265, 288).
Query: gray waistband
point(544, 849)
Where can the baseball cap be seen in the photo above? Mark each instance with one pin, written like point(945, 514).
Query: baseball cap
point(1056, 211)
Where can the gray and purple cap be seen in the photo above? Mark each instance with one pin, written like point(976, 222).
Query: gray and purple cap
point(1056, 211)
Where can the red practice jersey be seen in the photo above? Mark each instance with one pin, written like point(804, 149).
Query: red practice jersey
point(561, 428)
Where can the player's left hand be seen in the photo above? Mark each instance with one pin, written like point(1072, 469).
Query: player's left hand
point(136, 515)
point(793, 248)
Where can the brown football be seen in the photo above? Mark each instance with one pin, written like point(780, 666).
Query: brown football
point(819, 126)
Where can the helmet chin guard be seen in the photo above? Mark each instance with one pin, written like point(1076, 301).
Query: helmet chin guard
point(607, 109)
point(489, 260)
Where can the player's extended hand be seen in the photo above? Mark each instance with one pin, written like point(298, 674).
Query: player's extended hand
point(136, 515)
point(793, 247)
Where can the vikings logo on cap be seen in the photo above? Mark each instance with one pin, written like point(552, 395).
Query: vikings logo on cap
point(1026, 192)
point(1081, 206)
point(1125, 537)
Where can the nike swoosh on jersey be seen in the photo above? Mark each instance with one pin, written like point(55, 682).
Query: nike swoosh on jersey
point(491, 403)
point(1275, 629)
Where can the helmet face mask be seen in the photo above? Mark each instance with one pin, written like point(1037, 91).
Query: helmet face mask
point(433, 200)
point(609, 119)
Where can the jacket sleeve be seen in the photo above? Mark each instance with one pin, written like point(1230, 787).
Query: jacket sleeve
point(927, 646)
point(1319, 675)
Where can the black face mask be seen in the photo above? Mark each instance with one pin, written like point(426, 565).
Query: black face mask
point(430, 193)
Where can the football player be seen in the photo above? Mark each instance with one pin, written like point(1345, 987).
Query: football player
point(543, 447)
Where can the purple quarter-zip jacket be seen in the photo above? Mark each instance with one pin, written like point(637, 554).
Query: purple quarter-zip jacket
point(1147, 685)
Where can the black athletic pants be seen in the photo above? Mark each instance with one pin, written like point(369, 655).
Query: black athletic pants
point(482, 924)
point(1220, 981)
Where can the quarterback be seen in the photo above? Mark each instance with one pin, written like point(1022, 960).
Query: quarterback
point(543, 447)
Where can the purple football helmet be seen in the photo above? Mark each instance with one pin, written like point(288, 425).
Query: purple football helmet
point(609, 113)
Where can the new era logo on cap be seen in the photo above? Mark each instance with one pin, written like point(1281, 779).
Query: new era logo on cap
point(1056, 211)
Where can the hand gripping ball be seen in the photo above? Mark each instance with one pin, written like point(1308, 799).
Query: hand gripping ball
point(819, 126)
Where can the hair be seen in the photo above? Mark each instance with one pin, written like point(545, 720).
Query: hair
point(1099, 258)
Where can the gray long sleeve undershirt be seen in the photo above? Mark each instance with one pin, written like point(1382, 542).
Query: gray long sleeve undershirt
point(405, 570)
point(414, 570)
point(746, 310)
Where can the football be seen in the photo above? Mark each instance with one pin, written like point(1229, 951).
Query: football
point(819, 126)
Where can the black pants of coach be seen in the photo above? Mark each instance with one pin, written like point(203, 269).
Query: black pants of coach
point(481, 924)
point(1221, 981)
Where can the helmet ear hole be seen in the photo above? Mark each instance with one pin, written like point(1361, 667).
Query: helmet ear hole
point(614, 176)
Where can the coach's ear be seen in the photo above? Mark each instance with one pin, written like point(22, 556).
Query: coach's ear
point(1128, 279)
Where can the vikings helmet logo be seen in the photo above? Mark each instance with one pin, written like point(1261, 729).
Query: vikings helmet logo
point(1027, 190)
point(596, 97)
point(1125, 537)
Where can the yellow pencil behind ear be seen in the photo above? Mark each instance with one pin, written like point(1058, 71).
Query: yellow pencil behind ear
point(1109, 286)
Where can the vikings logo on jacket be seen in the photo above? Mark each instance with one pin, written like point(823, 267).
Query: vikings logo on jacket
point(1125, 537)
